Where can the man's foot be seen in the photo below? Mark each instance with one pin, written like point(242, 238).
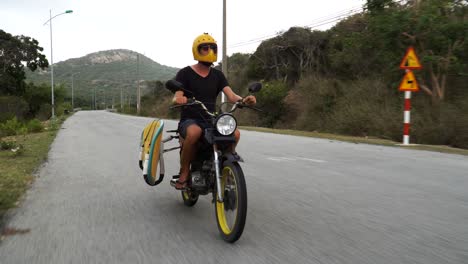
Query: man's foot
point(181, 182)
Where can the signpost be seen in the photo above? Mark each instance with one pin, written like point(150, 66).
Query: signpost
point(408, 84)
point(410, 61)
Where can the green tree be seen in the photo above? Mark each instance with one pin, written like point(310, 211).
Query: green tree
point(237, 67)
point(15, 53)
point(438, 29)
point(289, 55)
point(441, 34)
point(271, 101)
point(374, 42)
point(38, 96)
point(350, 53)
point(377, 6)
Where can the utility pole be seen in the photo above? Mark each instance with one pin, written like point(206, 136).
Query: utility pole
point(121, 99)
point(138, 84)
point(224, 62)
point(95, 98)
point(73, 105)
point(73, 102)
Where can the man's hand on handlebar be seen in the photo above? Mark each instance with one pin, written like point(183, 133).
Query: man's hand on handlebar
point(249, 100)
point(179, 99)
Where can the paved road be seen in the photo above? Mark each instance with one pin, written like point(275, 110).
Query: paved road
point(310, 201)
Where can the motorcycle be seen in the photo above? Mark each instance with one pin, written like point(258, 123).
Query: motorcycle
point(215, 169)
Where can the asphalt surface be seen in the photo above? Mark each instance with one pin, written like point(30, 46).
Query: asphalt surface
point(309, 201)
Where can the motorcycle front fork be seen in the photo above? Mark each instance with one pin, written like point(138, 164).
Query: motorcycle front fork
point(219, 176)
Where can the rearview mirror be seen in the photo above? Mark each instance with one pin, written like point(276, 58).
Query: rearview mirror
point(174, 86)
point(255, 87)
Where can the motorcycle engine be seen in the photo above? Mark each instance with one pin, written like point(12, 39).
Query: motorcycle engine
point(201, 178)
point(198, 181)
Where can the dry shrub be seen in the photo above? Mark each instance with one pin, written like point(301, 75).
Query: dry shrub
point(158, 106)
point(368, 108)
point(362, 108)
point(441, 123)
point(313, 100)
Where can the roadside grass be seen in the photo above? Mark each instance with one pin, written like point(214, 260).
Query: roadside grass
point(365, 140)
point(18, 168)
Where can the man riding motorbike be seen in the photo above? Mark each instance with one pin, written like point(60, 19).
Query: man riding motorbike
point(203, 82)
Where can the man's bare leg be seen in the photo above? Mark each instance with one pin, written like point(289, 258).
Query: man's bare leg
point(189, 149)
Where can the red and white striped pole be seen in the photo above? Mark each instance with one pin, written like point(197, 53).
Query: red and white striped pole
point(406, 118)
point(408, 84)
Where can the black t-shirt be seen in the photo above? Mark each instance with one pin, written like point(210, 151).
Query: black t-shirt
point(204, 89)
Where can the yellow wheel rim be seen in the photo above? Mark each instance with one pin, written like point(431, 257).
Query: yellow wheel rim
point(227, 177)
point(186, 195)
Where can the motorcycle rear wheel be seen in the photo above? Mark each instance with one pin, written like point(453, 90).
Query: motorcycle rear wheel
point(232, 212)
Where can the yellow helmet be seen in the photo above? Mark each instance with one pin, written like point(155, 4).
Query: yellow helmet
point(205, 38)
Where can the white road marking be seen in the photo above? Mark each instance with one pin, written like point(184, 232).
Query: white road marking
point(313, 160)
point(274, 159)
point(294, 159)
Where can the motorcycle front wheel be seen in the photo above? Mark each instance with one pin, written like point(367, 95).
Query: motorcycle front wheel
point(232, 212)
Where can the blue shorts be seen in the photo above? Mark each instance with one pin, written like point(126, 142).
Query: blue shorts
point(184, 124)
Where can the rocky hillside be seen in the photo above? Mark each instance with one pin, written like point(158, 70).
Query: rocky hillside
point(110, 65)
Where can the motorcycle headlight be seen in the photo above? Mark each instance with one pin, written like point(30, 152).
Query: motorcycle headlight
point(226, 125)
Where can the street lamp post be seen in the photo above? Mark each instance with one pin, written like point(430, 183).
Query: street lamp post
point(51, 57)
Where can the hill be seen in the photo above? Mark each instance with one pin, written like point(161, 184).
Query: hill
point(110, 72)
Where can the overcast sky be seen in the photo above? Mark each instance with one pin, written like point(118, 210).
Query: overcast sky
point(162, 30)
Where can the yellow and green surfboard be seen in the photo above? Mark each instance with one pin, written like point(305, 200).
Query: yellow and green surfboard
point(151, 152)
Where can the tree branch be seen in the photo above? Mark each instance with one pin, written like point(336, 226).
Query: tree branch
point(443, 85)
point(411, 37)
point(435, 85)
point(426, 89)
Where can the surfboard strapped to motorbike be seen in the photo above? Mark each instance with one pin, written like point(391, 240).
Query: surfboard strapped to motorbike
point(151, 152)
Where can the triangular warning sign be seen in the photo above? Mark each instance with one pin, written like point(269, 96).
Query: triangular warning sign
point(409, 83)
point(410, 61)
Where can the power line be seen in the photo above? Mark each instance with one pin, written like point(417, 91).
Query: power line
point(346, 11)
point(317, 22)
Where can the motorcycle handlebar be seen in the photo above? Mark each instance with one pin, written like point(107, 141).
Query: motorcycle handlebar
point(254, 108)
point(192, 101)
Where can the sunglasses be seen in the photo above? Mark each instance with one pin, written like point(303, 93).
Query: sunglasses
point(207, 47)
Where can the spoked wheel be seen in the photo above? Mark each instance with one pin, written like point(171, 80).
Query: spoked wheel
point(190, 198)
point(232, 212)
